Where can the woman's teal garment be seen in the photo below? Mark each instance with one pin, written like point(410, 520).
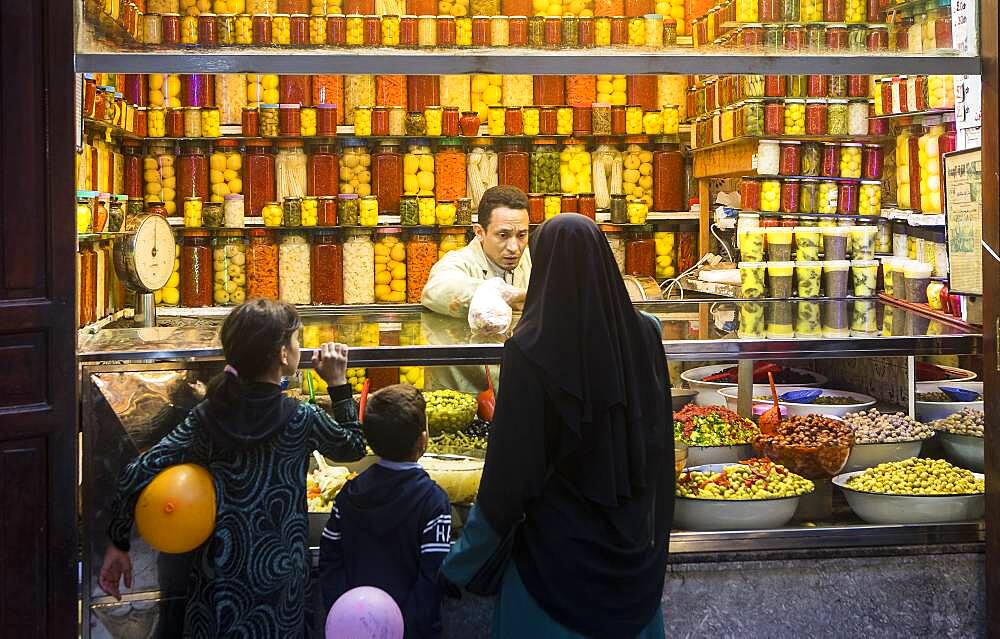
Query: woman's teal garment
point(517, 614)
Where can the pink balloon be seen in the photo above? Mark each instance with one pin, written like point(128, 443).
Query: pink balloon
point(364, 613)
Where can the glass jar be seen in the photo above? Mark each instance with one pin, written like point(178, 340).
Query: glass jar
point(233, 215)
point(850, 160)
point(795, 117)
point(637, 178)
point(789, 198)
point(450, 122)
point(421, 255)
point(847, 201)
point(294, 277)
point(348, 209)
point(262, 265)
point(513, 166)
point(870, 198)
point(193, 171)
point(811, 159)
point(827, 197)
point(327, 267)
point(816, 117)
point(575, 168)
point(449, 170)
point(669, 185)
point(768, 157)
point(544, 167)
point(857, 117)
point(871, 162)
point(229, 269)
point(226, 166)
point(640, 253)
point(774, 118)
point(387, 174)
point(790, 157)
point(427, 210)
point(269, 121)
point(451, 239)
point(322, 170)
point(808, 196)
point(829, 160)
point(192, 213)
point(355, 168)
point(390, 266)
point(368, 210)
point(259, 175)
point(838, 117)
point(291, 209)
point(290, 170)
point(770, 195)
point(418, 169)
point(196, 268)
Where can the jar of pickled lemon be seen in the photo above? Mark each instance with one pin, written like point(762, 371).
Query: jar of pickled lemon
point(390, 265)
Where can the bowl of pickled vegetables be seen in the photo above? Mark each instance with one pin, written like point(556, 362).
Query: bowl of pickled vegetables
point(798, 400)
point(714, 435)
point(932, 402)
point(749, 495)
point(914, 491)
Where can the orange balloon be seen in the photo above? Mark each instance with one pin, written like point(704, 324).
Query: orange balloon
point(176, 511)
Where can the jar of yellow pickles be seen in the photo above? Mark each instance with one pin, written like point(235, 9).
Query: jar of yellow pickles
point(368, 210)
point(390, 266)
point(363, 121)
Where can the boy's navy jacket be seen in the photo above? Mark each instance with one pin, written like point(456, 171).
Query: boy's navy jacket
point(390, 527)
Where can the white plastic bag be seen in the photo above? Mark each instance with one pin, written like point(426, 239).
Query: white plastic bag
point(489, 312)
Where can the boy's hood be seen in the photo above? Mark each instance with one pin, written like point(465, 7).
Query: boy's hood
point(380, 498)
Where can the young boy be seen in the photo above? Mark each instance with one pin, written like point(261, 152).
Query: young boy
point(390, 527)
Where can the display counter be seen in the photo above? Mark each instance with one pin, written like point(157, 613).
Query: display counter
point(137, 384)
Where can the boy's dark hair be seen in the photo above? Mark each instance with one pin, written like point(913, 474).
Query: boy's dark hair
point(497, 196)
point(252, 336)
point(393, 421)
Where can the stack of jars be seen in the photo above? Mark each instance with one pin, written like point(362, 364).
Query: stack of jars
point(557, 26)
point(913, 94)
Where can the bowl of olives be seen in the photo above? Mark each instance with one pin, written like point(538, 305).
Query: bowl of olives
point(750, 495)
point(829, 402)
point(914, 491)
point(961, 437)
point(931, 402)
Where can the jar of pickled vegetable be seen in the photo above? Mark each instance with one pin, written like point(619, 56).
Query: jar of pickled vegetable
point(349, 209)
point(421, 255)
point(327, 267)
point(870, 198)
point(789, 196)
point(229, 268)
point(750, 120)
point(838, 119)
point(193, 171)
point(387, 174)
point(575, 168)
point(355, 168)
point(770, 196)
point(829, 160)
point(808, 194)
point(408, 210)
point(513, 166)
point(871, 162)
point(390, 266)
point(750, 194)
point(268, 121)
point(262, 265)
point(294, 277)
point(810, 164)
point(774, 118)
point(791, 159)
point(669, 189)
point(640, 253)
point(259, 176)
point(449, 170)
point(291, 209)
point(226, 166)
point(322, 170)
point(847, 202)
point(543, 170)
point(795, 117)
point(290, 169)
point(451, 239)
point(816, 117)
point(368, 210)
point(196, 268)
point(850, 160)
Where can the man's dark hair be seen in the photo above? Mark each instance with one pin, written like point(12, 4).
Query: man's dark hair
point(497, 196)
point(393, 421)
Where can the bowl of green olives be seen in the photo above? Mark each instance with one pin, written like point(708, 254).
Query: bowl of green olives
point(932, 403)
point(914, 491)
point(751, 495)
point(831, 402)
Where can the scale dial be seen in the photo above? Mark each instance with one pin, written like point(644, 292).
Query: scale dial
point(146, 258)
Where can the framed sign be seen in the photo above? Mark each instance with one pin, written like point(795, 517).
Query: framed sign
point(963, 206)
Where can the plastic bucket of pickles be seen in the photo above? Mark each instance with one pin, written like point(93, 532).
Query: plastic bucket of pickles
point(753, 494)
point(914, 491)
point(864, 278)
point(752, 287)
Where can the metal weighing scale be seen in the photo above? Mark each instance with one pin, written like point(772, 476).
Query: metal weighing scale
point(144, 260)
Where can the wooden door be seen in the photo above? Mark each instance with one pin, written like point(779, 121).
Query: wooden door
point(38, 540)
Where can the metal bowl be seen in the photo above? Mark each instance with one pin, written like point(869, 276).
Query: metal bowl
point(702, 455)
point(963, 450)
point(863, 402)
point(867, 455)
point(880, 508)
point(929, 411)
point(732, 514)
point(707, 395)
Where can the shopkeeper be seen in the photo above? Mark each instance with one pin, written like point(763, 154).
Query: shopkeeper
point(499, 250)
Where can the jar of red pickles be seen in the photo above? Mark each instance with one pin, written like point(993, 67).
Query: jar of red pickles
point(750, 194)
point(829, 160)
point(790, 196)
point(450, 170)
point(326, 210)
point(322, 170)
point(816, 86)
point(669, 185)
point(196, 268)
point(132, 167)
point(387, 175)
point(327, 267)
point(836, 34)
point(536, 208)
point(192, 171)
point(774, 86)
point(847, 200)
point(640, 253)
point(816, 117)
point(871, 162)
point(790, 158)
point(512, 165)
point(774, 118)
point(258, 176)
